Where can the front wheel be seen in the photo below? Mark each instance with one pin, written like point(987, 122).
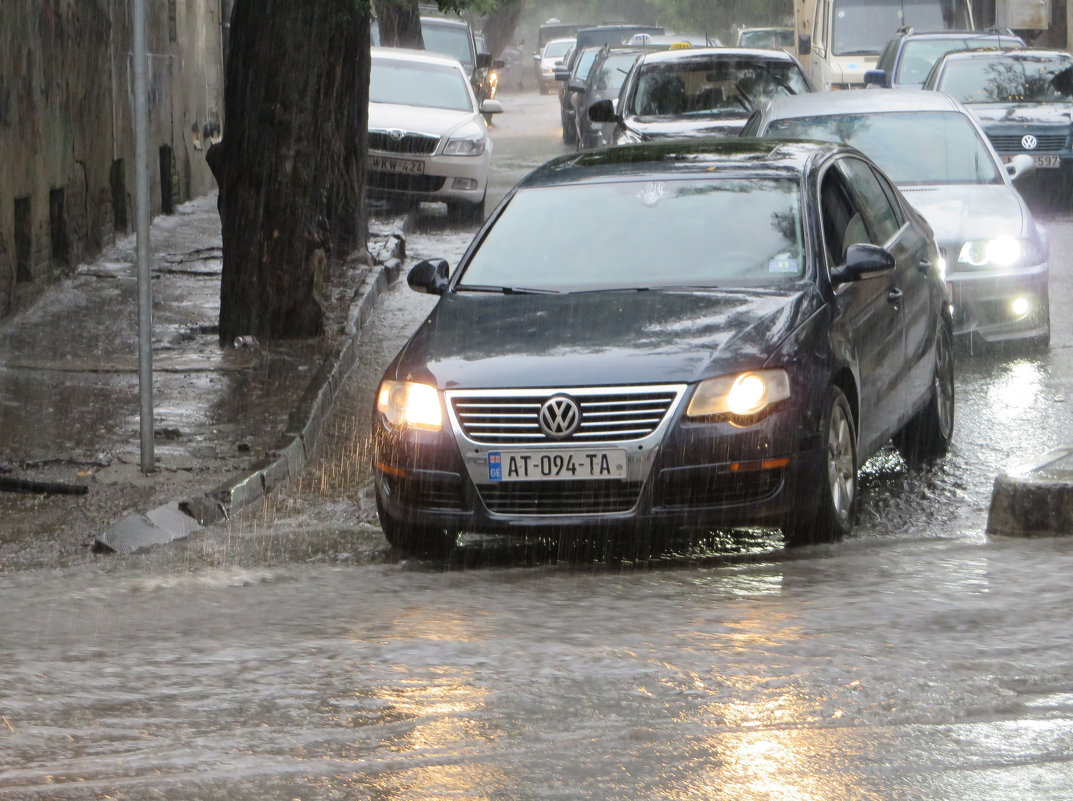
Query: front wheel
point(832, 518)
point(928, 433)
point(466, 213)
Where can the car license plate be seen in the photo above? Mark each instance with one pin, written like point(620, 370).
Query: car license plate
point(396, 165)
point(556, 465)
point(1048, 162)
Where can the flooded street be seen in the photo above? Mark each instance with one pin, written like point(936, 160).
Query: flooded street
point(292, 654)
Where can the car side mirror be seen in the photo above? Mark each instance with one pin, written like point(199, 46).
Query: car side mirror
point(875, 78)
point(484, 60)
point(603, 111)
point(863, 260)
point(562, 75)
point(429, 276)
point(491, 107)
point(1020, 166)
point(804, 44)
point(498, 63)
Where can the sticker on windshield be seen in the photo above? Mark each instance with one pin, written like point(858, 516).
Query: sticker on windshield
point(783, 265)
point(652, 193)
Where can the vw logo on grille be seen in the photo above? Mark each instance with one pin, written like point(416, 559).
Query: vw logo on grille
point(1029, 142)
point(559, 417)
point(396, 135)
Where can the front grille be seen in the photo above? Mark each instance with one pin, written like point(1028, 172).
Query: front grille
point(606, 415)
point(696, 487)
point(404, 182)
point(560, 497)
point(1046, 143)
point(411, 143)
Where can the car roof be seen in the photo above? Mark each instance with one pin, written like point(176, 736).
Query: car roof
point(853, 101)
point(560, 39)
point(444, 21)
point(1020, 54)
point(683, 158)
point(413, 56)
point(715, 53)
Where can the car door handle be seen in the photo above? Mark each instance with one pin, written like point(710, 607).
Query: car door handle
point(925, 265)
point(895, 296)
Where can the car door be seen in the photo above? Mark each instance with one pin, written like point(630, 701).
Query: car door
point(869, 324)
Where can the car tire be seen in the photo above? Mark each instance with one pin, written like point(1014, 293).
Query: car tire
point(466, 213)
point(928, 433)
point(422, 541)
point(832, 517)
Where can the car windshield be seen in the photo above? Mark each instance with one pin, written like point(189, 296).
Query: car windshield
point(557, 49)
point(766, 37)
point(410, 83)
point(918, 56)
point(1001, 79)
point(613, 71)
point(450, 40)
point(864, 26)
point(727, 232)
point(924, 147)
point(722, 87)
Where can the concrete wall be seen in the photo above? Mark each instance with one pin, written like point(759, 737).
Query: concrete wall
point(66, 136)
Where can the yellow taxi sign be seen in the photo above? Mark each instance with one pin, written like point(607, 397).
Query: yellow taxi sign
point(681, 46)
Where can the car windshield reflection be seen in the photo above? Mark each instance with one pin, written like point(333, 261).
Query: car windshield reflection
point(753, 237)
point(911, 147)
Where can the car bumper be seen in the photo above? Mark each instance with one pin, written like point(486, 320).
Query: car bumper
point(700, 475)
point(441, 179)
point(984, 304)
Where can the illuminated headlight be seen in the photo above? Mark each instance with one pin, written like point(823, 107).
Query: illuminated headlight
point(1020, 306)
point(743, 395)
point(406, 404)
point(941, 265)
point(471, 146)
point(1003, 252)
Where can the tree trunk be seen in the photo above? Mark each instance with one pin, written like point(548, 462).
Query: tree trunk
point(291, 164)
point(501, 25)
point(400, 24)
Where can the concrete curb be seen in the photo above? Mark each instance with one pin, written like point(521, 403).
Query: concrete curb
point(181, 518)
point(1036, 500)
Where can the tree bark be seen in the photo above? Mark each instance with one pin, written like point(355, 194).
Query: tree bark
point(400, 24)
point(501, 25)
point(290, 167)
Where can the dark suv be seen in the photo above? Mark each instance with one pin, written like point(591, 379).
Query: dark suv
point(906, 59)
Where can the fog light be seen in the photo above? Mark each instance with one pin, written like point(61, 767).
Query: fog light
point(1020, 306)
point(464, 184)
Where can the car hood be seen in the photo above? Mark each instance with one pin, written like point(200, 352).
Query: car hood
point(1017, 113)
point(663, 128)
point(958, 214)
point(431, 121)
point(476, 341)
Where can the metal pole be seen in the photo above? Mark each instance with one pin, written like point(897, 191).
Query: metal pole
point(145, 295)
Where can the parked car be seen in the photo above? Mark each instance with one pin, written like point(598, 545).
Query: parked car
point(764, 318)
point(427, 139)
point(1024, 101)
point(907, 58)
point(573, 84)
point(935, 151)
point(554, 51)
point(698, 92)
point(451, 36)
point(605, 79)
point(771, 38)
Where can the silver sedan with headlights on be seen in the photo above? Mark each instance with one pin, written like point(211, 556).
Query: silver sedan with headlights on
point(427, 139)
point(935, 151)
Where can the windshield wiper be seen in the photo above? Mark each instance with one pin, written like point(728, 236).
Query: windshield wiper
point(504, 290)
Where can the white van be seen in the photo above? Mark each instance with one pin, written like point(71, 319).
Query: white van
point(839, 40)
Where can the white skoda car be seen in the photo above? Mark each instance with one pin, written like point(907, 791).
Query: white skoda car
point(427, 139)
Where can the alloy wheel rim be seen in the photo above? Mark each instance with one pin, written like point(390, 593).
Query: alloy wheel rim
point(840, 470)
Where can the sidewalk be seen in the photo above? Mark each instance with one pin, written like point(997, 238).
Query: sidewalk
point(230, 423)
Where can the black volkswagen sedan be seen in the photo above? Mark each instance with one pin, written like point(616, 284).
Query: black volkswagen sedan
point(738, 325)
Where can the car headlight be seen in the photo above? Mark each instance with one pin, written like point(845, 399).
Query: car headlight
point(407, 404)
point(1003, 252)
point(744, 395)
point(468, 146)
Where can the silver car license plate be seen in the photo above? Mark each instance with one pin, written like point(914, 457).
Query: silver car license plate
point(1048, 162)
point(556, 465)
point(388, 164)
